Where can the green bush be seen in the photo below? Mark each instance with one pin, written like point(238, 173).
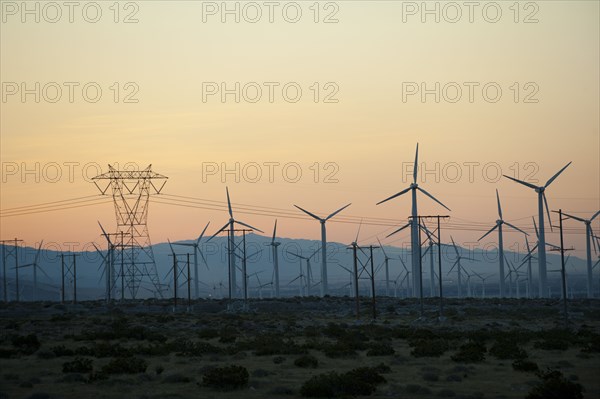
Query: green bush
point(125, 365)
point(524, 365)
point(307, 361)
point(554, 385)
point(186, 347)
point(380, 349)
point(429, 347)
point(61, 350)
point(26, 344)
point(471, 352)
point(552, 344)
point(226, 378)
point(361, 381)
point(78, 365)
point(505, 349)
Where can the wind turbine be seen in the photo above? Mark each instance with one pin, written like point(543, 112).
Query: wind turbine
point(35, 266)
point(396, 285)
point(308, 268)
point(106, 272)
point(588, 250)
point(498, 226)
point(324, 287)
point(528, 259)
point(110, 258)
point(415, 244)
point(274, 244)
point(540, 190)
point(459, 268)
point(386, 260)
point(409, 291)
point(196, 246)
point(469, 275)
point(231, 244)
point(482, 278)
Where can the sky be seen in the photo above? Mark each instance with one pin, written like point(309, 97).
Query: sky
point(497, 89)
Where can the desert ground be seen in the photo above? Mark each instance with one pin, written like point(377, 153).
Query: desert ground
point(300, 347)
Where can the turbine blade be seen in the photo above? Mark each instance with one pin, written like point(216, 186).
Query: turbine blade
point(399, 230)
point(416, 166)
point(172, 250)
point(104, 233)
point(37, 254)
point(499, 207)
point(338, 211)
point(547, 211)
point(432, 197)
point(203, 259)
point(358, 232)
point(218, 232)
point(314, 253)
point(594, 217)
point(229, 202)
point(515, 227)
point(403, 264)
point(521, 182)
point(383, 250)
point(556, 175)
point(308, 213)
point(455, 263)
point(395, 195)
point(274, 232)
point(574, 217)
point(537, 234)
point(489, 231)
point(202, 234)
point(454, 245)
point(425, 252)
point(248, 226)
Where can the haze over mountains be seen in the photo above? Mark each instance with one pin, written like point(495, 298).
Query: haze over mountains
point(214, 279)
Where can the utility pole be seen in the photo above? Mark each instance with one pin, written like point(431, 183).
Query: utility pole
point(174, 281)
point(374, 304)
point(75, 278)
point(188, 284)
point(439, 239)
point(62, 278)
point(122, 268)
point(562, 268)
point(5, 255)
point(356, 297)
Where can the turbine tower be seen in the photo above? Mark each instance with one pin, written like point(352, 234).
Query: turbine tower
point(324, 287)
point(498, 226)
point(231, 225)
point(540, 190)
point(196, 246)
point(588, 249)
point(414, 237)
point(274, 244)
point(131, 190)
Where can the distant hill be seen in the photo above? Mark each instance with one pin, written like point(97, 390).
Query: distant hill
point(214, 278)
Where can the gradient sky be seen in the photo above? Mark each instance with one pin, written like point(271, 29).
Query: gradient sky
point(368, 134)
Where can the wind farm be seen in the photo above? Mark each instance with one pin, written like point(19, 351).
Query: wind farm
point(320, 199)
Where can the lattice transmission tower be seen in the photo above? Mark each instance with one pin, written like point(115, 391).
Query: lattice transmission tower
point(131, 190)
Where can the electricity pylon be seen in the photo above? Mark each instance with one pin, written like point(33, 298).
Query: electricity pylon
point(131, 190)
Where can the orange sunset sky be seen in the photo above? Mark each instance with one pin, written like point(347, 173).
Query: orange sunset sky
point(370, 58)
